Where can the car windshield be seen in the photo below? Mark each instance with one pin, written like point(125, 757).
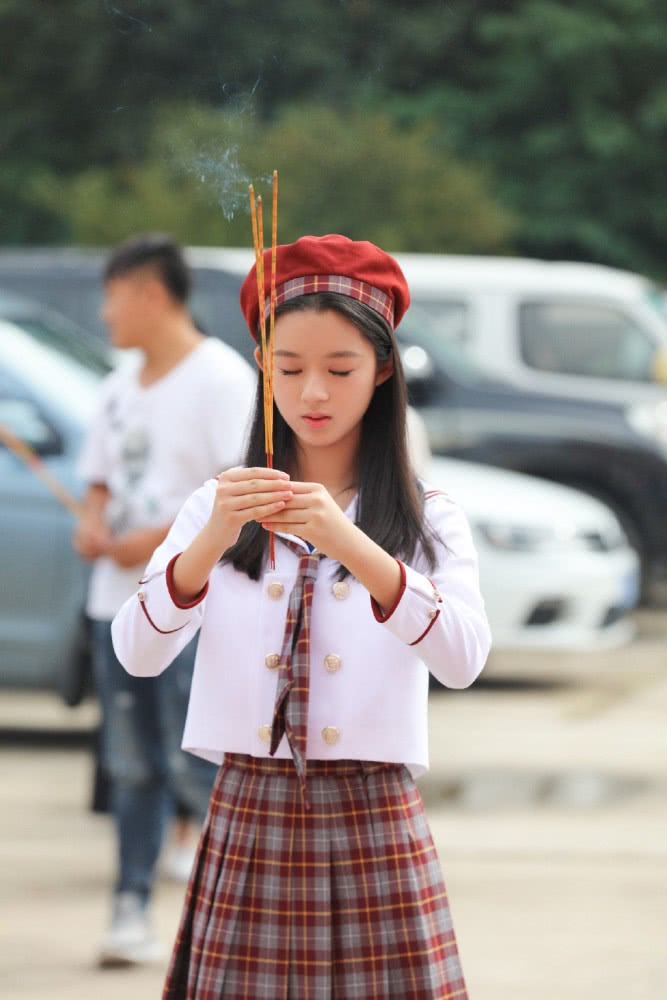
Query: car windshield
point(67, 342)
point(419, 328)
point(656, 297)
point(58, 375)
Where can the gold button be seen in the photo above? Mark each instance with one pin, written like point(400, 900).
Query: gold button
point(264, 733)
point(340, 590)
point(330, 735)
point(332, 662)
point(275, 590)
point(432, 613)
point(141, 595)
point(436, 594)
point(272, 661)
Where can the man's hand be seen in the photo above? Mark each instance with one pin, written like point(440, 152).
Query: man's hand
point(91, 538)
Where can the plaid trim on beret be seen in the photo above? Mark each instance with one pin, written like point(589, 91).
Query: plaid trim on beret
point(330, 264)
point(312, 283)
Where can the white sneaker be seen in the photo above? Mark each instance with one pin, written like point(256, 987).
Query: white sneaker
point(178, 863)
point(130, 939)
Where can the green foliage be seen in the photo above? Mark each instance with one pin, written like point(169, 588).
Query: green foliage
point(568, 103)
point(361, 175)
point(357, 174)
point(542, 121)
point(104, 206)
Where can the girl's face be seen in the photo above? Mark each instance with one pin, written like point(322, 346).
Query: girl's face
point(325, 374)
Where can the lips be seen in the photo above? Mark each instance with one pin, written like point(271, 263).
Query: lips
point(316, 419)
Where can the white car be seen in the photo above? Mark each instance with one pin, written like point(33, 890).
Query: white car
point(565, 328)
point(556, 570)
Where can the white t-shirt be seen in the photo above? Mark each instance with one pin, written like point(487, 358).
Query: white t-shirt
point(152, 446)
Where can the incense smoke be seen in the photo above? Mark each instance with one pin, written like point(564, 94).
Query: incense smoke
point(215, 164)
point(217, 167)
point(134, 22)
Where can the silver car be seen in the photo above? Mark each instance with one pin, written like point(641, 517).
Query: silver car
point(49, 380)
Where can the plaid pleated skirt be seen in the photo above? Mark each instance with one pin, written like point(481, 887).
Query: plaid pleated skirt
point(343, 900)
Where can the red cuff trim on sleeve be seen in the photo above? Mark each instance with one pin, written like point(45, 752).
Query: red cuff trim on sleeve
point(384, 616)
point(172, 590)
point(426, 631)
point(162, 631)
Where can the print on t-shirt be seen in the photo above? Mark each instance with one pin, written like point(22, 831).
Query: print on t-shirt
point(152, 446)
point(133, 502)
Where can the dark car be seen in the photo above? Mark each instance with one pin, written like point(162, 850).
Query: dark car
point(591, 445)
point(69, 281)
point(614, 451)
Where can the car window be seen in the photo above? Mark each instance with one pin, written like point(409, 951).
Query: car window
point(22, 419)
point(656, 297)
point(52, 375)
point(216, 310)
point(419, 328)
point(450, 316)
point(582, 338)
point(73, 291)
point(68, 343)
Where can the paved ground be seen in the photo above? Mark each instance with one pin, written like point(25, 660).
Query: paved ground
point(547, 797)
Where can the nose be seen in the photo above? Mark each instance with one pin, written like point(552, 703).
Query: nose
point(314, 389)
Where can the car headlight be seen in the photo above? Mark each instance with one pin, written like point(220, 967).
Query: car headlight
point(649, 419)
point(514, 537)
point(604, 537)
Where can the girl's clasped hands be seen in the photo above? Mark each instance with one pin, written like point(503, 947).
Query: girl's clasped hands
point(278, 503)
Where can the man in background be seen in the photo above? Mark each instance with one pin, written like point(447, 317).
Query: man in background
point(163, 426)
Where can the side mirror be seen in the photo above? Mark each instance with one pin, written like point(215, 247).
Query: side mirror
point(24, 420)
point(659, 366)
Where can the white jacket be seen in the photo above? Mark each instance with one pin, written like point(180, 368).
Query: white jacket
point(368, 670)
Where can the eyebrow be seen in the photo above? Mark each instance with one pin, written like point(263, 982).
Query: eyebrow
point(333, 354)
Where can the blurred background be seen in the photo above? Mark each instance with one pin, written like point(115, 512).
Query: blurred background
point(512, 156)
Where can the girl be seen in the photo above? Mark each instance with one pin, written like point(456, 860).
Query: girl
point(316, 874)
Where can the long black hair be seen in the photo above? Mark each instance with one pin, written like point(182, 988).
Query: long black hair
point(391, 502)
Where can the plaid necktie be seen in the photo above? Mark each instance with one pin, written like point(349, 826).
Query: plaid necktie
point(290, 713)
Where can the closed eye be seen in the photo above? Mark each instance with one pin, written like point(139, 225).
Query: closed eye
point(298, 371)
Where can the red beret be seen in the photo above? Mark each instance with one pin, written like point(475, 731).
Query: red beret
point(330, 264)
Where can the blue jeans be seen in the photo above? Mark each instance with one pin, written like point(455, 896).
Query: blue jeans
point(142, 727)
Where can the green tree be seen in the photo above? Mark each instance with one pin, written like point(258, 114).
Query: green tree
point(358, 174)
point(568, 103)
point(361, 175)
point(562, 106)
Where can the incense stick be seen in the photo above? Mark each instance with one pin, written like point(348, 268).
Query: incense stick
point(257, 217)
point(272, 301)
point(40, 470)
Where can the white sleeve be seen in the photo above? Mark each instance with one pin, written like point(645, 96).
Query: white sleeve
point(151, 628)
point(442, 614)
